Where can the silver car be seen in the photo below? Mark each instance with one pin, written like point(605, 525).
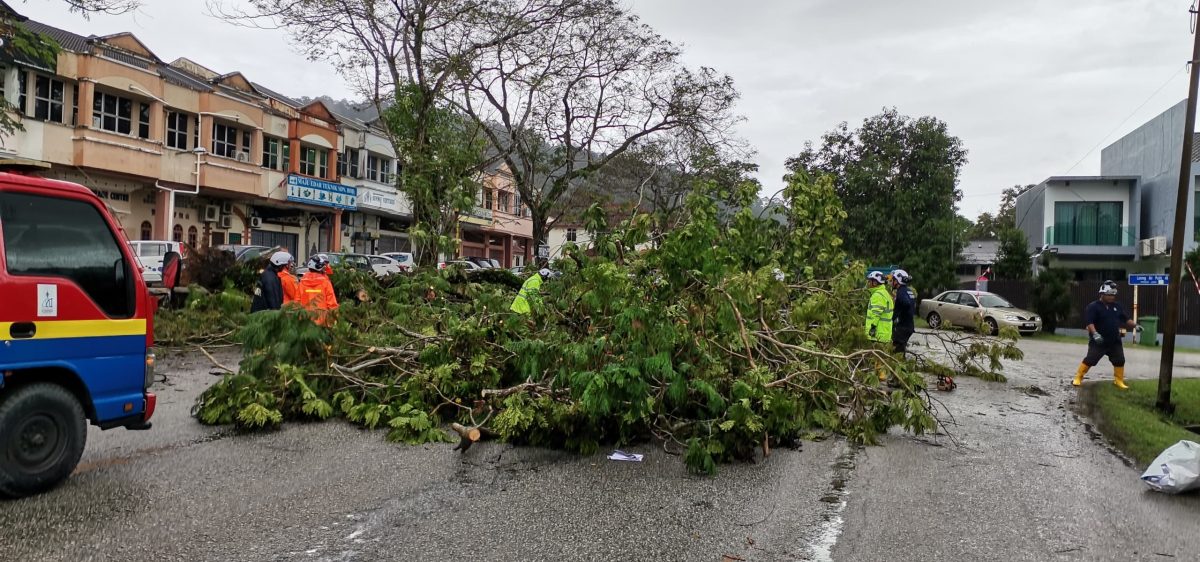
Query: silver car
point(969, 308)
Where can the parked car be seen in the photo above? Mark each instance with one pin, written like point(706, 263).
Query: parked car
point(150, 254)
point(405, 259)
point(384, 266)
point(968, 308)
point(483, 263)
point(247, 253)
point(467, 265)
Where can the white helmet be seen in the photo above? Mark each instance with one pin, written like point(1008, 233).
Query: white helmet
point(902, 277)
point(876, 276)
point(1108, 288)
point(544, 272)
point(281, 258)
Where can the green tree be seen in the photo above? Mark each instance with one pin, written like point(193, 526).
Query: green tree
point(986, 227)
point(1051, 299)
point(1007, 217)
point(897, 178)
point(1013, 259)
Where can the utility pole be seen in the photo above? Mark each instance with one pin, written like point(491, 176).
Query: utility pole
point(1167, 361)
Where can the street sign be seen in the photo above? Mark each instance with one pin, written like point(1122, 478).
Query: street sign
point(1149, 279)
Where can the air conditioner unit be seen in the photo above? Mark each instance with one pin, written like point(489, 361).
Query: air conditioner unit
point(243, 157)
point(212, 213)
point(226, 222)
point(255, 222)
point(226, 207)
point(1160, 245)
point(1146, 248)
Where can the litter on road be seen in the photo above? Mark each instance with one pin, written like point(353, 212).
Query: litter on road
point(618, 455)
point(1176, 470)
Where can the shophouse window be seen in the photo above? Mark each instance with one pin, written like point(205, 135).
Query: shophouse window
point(3, 78)
point(22, 95)
point(571, 235)
point(146, 231)
point(348, 164)
point(177, 233)
point(505, 200)
point(247, 142)
point(314, 161)
point(143, 120)
point(48, 99)
point(177, 129)
point(225, 140)
point(192, 235)
point(273, 153)
point(112, 113)
point(379, 168)
point(488, 199)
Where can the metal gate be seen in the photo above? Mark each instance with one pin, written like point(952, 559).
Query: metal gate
point(271, 239)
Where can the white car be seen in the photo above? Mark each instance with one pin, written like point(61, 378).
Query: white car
point(150, 254)
point(384, 266)
point(405, 259)
point(467, 265)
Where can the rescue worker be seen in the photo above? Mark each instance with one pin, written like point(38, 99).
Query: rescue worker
point(291, 287)
point(269, 295)
point(529, 291)
point(1104, 319)
point(905, 308)
point(879, 311)
point(316, 292)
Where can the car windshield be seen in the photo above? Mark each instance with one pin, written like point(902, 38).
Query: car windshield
point(994, 301)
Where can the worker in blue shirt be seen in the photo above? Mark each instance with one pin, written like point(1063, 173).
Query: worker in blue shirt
point(905, 311)
point(1105, 318)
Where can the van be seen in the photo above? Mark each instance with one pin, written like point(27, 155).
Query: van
point(150, 254)
point(76, 330)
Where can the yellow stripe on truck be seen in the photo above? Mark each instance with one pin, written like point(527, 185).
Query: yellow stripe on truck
point(61, 329)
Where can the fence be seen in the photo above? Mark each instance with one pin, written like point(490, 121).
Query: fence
point(1152, 301)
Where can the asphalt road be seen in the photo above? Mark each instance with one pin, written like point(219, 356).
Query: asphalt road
point(1021, 479)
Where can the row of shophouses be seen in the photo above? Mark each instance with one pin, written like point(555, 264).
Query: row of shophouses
point(182, 152)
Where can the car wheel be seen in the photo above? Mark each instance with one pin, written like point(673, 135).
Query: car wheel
point(993, 328)
point(42, 434)
point(935, 320)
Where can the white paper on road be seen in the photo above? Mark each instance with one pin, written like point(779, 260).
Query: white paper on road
point(1175, 470)
point(623, 456)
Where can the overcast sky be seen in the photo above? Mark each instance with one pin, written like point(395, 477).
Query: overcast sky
point(1030, 86)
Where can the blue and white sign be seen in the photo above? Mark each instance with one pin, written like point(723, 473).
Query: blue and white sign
point(1149, 279)
point(319, 192)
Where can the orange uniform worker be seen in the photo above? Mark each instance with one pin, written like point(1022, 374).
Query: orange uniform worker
point(291, 287)
point(316, 292)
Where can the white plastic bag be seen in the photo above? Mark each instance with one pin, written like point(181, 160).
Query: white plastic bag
point(1175, 470)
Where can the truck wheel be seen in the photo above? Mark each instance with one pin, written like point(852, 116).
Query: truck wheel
point(42, 433)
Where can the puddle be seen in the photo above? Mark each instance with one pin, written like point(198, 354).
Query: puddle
point(830, 527)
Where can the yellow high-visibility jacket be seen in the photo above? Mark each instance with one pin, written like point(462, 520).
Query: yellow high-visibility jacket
point(529, 290)
point(879, 315)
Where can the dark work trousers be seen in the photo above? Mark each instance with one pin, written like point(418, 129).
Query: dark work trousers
point(900, 338)
point(1115, 352)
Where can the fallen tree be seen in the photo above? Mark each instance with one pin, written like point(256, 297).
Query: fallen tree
point(733, 335)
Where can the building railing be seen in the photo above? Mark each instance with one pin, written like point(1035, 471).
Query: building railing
point(1113, 236)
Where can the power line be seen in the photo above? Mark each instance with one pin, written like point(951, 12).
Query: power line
point(1174, 74)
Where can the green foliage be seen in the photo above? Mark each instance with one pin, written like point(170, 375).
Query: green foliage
point(1013, 261)
point(734, 333)
point(1051, 298)
point(204, 318)
point(442, 154)
point(897, 180)
point(1130, 421)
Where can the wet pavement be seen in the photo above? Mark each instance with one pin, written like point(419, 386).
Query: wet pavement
point(1020, 479)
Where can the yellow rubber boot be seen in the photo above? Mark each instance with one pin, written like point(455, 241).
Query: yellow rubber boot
point(1119, 378)
point(1083, 369)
